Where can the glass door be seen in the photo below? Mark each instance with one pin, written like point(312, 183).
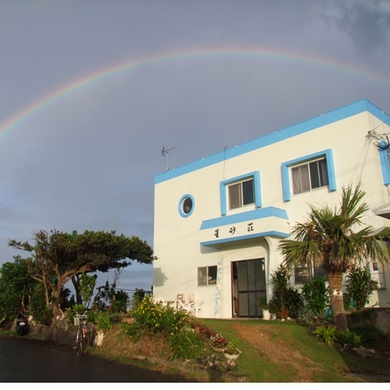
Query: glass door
point(248, 284)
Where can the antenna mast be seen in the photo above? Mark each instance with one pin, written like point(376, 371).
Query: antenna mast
point(165, 152)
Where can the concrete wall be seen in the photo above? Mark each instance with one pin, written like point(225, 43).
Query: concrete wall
point(378, 317)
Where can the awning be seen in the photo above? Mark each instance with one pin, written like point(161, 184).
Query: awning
point(383, 211)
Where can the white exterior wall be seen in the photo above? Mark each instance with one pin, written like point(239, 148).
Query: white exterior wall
point(183, 244)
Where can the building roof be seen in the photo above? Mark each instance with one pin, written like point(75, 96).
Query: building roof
point(271, 138)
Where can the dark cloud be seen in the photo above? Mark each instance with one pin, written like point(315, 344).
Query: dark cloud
point(89, 159)
point(367, 23)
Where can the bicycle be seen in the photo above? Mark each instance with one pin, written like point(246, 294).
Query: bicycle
point(80, 320)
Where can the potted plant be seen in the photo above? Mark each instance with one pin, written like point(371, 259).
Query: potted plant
point(218, 342)
point(231, 351)
point(265, 308)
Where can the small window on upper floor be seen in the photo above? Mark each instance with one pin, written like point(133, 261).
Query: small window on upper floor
point(240, 191)
point(241, 194)
point(308, 176)
point(308, 172)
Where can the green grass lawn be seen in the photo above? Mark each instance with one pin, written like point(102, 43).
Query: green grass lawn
point(315, 362)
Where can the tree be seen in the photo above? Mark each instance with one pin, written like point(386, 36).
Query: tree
point(331, 239)
point(87, 285)
point(57, 257)
point(16, 287)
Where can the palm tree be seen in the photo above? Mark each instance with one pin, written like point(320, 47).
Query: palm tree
point(330, 239)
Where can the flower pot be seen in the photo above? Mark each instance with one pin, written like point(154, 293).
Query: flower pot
point(232, 357)
point(266, 314)
point(218, 349)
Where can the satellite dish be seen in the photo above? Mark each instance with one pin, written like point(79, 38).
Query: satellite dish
point(165, 152)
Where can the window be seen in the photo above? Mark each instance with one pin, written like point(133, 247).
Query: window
point(377, 274)
point(308, 172)
point(241, 194)
point(305, 273)
point(308, 176)
point(207, 275)
point(240, 191)
point(186, 205)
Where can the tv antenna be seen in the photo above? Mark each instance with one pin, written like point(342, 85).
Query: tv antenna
point(165, 153)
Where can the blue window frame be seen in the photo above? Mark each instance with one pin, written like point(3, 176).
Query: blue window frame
point(186, 205)
point(311, 171)
point(383, 149)
point(240, 191)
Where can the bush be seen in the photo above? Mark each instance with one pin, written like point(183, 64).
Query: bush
point(39, 311)
point(75, 309)
point(360, 286)
point(285, 299)
point(316, 296)
point(134, 330)
point(137, 298)
point(186, 344)
point(327, 334)
point(157, 318)
point(176, 326)
point(350, 339)
point(103, 320)
point(368, 333)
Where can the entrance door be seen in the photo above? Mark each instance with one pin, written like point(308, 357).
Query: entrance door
point(248, 283)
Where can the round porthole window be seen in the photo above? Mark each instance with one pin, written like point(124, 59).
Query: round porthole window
point(186, 205)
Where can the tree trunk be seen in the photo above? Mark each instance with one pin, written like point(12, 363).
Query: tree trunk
point(76, 285)
point(55, 295)
point(335, 279)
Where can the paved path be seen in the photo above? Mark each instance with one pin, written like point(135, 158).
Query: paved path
point(25, 360)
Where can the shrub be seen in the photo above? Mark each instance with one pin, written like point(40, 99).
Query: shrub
point(134, 330)
point(284, 298)
point(103, 320)
point(350, 339)
point(75, 309)
point(137, 298)
point(158, 318)
point(39, 311)
point(186, 344)
point(360, 286)
point(315, 294)
point(153, 318)
point(119, 301)
point(327, 334)
point(368, 333)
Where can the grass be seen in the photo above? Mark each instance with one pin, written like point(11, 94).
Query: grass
point(288, 353)
point(258, 368)
point(293, 355)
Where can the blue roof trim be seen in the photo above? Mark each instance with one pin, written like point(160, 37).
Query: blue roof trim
point(270, 233)
point(288, 132)
point(243, 217)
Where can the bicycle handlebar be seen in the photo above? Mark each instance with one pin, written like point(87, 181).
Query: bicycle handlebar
point(77, 315)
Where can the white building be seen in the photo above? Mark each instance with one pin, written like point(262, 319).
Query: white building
point(218, 220)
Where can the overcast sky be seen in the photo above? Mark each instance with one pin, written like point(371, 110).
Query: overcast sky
point(92, 90)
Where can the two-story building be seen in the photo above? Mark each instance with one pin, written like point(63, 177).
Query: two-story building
point(218, 221)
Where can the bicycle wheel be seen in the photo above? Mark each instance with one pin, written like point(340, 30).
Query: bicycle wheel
point(79, 341)
point(83, 339)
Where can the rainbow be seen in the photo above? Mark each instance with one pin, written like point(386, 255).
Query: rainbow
point(83, 82)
